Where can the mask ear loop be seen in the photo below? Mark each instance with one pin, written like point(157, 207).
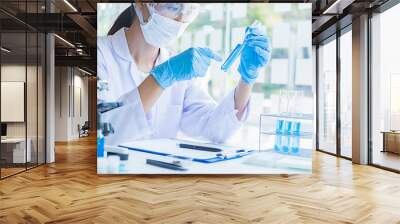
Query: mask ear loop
point(140, 15)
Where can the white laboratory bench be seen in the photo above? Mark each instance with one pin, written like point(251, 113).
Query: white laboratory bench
point(137, 164)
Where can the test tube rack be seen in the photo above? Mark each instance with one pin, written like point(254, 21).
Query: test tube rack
point(304, 118)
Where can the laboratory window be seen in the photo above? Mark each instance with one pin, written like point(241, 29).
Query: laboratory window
point(327, 97)
point(385, 89)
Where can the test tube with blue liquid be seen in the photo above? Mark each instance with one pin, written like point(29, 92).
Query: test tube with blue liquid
point(278, 134)
point(236, 51)
point(295, 143)
point(286, 138)
point(100, 144)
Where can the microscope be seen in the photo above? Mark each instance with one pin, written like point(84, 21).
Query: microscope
point(104, 128)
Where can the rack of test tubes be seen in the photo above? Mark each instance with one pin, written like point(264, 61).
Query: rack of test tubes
point(286, 134)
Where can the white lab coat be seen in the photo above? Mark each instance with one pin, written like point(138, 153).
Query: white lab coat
point(181, 107)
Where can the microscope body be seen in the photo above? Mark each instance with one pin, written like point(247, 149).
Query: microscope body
point(104, 128)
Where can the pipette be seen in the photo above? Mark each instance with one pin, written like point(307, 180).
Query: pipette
point(236, 51)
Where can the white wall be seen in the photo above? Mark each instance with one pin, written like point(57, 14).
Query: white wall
point(79, 117)
point(61, 103)
point(13, 100)
point(33, 126)
point(71, 94)
point(13, 73)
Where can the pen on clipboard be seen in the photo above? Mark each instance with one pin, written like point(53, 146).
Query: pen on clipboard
point(171, 166)
point(198, 147)
point(229, 155)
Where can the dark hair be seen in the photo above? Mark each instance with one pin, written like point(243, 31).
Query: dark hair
point(124, 19)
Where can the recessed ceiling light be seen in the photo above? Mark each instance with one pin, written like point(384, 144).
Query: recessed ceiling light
point(5, 50)
point(337, 6)
point(84, 71)
point(64, 40)
point(70, 5)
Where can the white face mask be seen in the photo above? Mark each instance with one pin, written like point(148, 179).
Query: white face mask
point(159, 30)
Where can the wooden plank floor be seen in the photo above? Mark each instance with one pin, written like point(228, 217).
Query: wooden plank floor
point(70, 191)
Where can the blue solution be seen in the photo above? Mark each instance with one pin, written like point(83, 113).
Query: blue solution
point(295, 147)
point(123, 163)
point(236, 51)
point(278, 137)
point(285, 143)
point(232, 57)
point(295, 144)
point(278, 143)
point(288, 127)
point(279, 126)
point(296, 128)
point(100, 144)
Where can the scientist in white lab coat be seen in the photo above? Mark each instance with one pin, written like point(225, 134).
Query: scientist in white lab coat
point(157, 90)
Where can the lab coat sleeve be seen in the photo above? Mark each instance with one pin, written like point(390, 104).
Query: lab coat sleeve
point(128, 121)
point(202, 117)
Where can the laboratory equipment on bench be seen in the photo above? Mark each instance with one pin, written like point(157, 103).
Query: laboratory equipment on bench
point(295, 138)
point(172, 166)
point(170, 150)
point(113, 163)
point(279, 134)
point(286, 137)
point(199, 147)
point(104, 128)
point(285, 134)
point(237, 50)
point(123, 155)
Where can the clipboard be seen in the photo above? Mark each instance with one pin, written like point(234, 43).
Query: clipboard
point(169, 148)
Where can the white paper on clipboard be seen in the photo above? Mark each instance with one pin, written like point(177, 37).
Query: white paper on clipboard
point(170, 146)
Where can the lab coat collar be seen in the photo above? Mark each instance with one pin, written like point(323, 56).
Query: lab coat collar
point(120, 45)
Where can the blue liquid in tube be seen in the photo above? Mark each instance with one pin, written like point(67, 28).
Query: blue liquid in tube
point(287, 136)
point(100, 144)
point(288, 127)
point(278, 143)
point(285, 143)
point(278, 134)
point(295, 144)
point(279, 126)
point(236, 51)
point(296, 128)
point(232, 57)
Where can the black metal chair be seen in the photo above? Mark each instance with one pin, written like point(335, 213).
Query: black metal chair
point(84, 130)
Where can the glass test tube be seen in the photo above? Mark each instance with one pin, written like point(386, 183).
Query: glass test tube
point(278, 134)
point(236, 51)
point(286, 138)
point(232, 57)
point(295, 143)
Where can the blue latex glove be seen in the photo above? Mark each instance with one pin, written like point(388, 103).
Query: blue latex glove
point(191, 63)
point(256, 54)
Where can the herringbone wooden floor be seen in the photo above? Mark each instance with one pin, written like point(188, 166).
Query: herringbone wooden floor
point(70, 191)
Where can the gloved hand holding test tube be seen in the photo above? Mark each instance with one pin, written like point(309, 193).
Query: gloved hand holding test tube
point(239, 47)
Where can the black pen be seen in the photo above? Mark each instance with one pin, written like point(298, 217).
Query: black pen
point(198, 147)
point(166, 165)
